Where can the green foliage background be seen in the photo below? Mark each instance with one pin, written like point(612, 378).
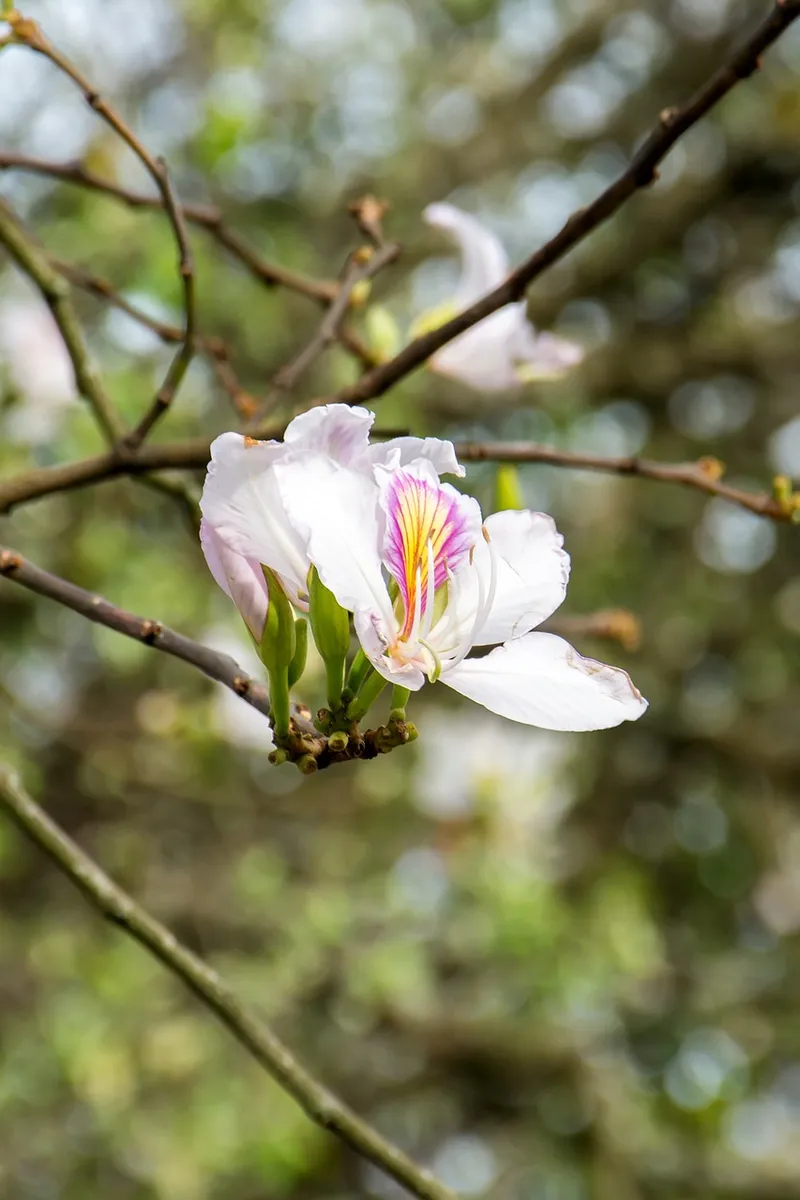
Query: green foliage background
point(551, 967)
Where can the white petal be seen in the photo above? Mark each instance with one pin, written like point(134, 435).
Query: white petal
point(539, 679)
point(484, 261)
point(482, 356)
point(337, 430)
point(543, 355)
point(240, 578)
point(532, 573)
point(241, 501)
point(335, 510)
point(371, 633)
point(400, 451)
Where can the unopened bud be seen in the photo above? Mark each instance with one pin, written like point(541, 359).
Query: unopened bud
point(360, 293)
point(298, 663)
point(279, 639)
point(330, 624)
point(508, 489)
point(307, 764)
point(383, 332)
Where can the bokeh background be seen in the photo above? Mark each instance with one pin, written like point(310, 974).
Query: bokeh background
point(551, 967)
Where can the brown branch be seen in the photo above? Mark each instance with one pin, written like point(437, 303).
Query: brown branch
point(26, 32)
point(214, 347)
point(321, 1105)
point(641, 172)
point(205, 216)
point(56, 294)
point(703, 475)
point(208, 218)
point(182, 360)
point(360, 267)
point(309, 749)
point(142, 629)
point(611, 624)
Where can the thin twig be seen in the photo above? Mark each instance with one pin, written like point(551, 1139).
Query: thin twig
point(28, 33)
point(214, 348)
point(56, 293)
point(321, 1105)
point(182, 360)
point(205, 216)
point(610, 624)
point(641, 172)
point(306, 746)
point(219, 667)
point(703, 475)
point(359, 269)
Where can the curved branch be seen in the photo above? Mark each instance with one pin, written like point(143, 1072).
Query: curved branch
point(219, 667)
point(702, 476)
point(672, 124)
point(205, 216)
point(56, 294)
point(26, 32)
point(214, 993)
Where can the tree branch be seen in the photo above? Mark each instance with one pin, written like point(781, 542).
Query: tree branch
point(641, 172)
point(182, 360)
point(219, 667)
point(56, 294)
point(702, 476)
point(610, 624)
point(359, 269)
point(26, 32)
point(306, 746)
point(325, 1109)
point(214, 347)
point(205, 216)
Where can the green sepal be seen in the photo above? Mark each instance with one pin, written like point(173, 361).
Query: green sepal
point(298, 663)
point(279, 639)
point(369, 693)
point(330, 624)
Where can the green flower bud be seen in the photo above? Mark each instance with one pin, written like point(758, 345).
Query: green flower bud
point(330, 624)
point(298, 663)
point(508, 490)
point(383, 332)
point(279, 639)
point(277, 651)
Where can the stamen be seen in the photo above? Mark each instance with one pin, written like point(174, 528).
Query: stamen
point(430, 594)
point(437, 662)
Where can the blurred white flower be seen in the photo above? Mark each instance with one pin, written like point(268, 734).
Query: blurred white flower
point(502, 351)
point(37, 364)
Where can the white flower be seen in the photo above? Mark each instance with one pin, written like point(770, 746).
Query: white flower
point(427, 580)
point(239, 577)
point(424, 576)
point(503, 350)
point(245, 523)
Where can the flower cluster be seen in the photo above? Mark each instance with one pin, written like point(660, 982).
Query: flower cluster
point(328, 524)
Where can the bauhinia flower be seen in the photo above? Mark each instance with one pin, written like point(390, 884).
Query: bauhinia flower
point(503, 350)
point(425, 577)
point(427, 580)
point(246, 528)
point(240, 578)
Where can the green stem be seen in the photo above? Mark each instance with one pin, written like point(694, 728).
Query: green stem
point(370, 690)
point(279, 702)
point(400, 696)
point(334, 674)
point(359, 670)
